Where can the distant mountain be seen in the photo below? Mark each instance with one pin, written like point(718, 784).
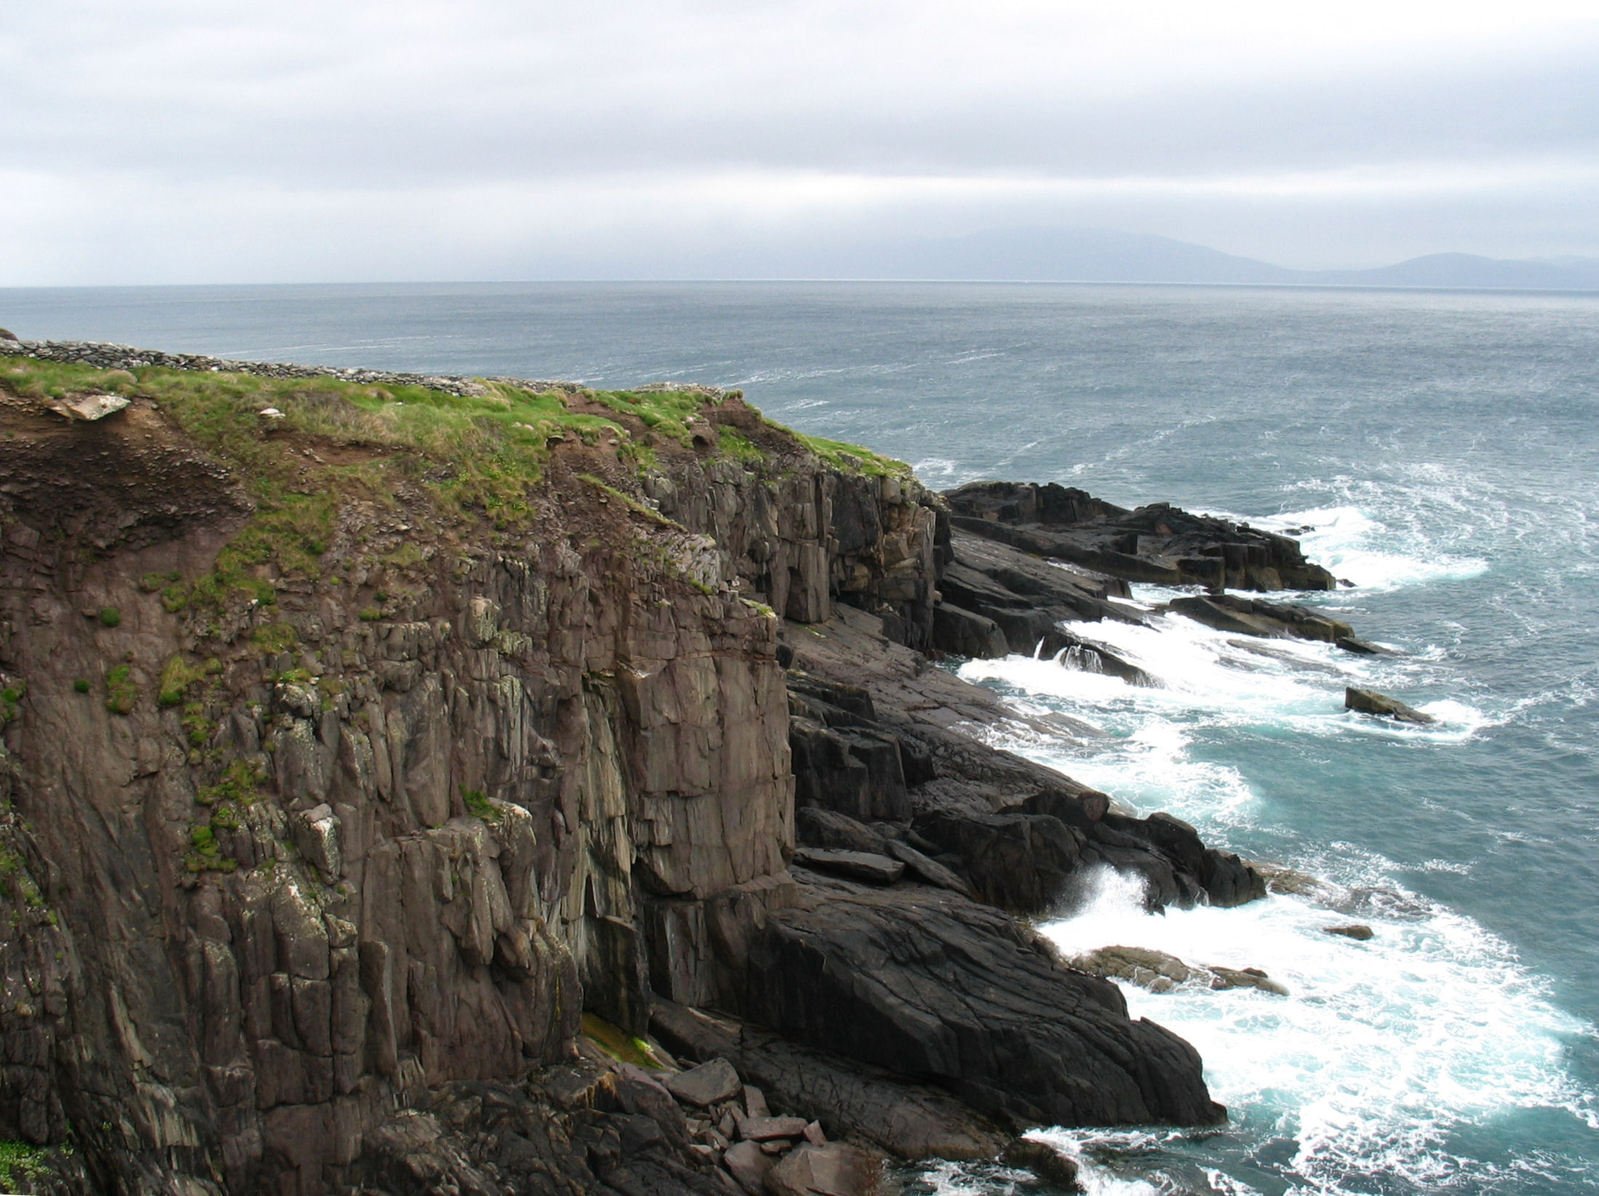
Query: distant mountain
point(1467, 270)
point(1102, 255)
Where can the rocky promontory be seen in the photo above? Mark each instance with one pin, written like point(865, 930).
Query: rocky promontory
point(413, 784)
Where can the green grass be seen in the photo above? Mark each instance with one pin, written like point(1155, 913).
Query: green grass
point(239, 785)
point(852, 458)
point(178, 676)
point(666, 410)
point(121, 690)
point(733, 443)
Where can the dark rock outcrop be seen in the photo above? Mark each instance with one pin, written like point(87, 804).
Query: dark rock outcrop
point(1156, 543)
point(1255, 616)
point(937, 987)
point(1369, 701)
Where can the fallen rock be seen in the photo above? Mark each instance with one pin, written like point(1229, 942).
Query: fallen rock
point(966, 633)
point(836, 1169)
point(925, 868)
point(705, 1085)
point(1355, 930)
point(1015, 860)
point(818, 827)
point(855, 865)
point(908, 1119)
point(1074, 652)
point(1246, 978)
point(1044, 1161)
point(88, 407)
point(747, 1163)
point(1155, 970)
point(1369, 701)
point(765, 1129)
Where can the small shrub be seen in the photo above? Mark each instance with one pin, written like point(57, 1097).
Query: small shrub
point(81, 685)
point(110, 616)
point(479, 806)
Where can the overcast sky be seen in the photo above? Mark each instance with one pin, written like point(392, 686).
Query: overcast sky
point(210, 141)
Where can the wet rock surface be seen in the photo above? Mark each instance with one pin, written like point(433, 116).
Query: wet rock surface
point(1156, 543)
point(1369, 701)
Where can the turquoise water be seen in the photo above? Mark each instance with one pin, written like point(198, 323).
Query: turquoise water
point(1444, 449)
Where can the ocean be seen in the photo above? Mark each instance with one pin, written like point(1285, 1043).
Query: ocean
point(1438, 450)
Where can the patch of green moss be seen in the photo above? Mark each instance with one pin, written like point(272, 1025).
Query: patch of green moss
point(121, 690)
point(239, 785)
point(11, 701)
point(273, 638)
point(205, 854)
point(178, 676)
point(110, 616)
point(619, 1044)
point(81, 686)
point(664, 410)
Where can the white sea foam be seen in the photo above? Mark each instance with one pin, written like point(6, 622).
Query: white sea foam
point(1372, 554)
point(1382, 1050)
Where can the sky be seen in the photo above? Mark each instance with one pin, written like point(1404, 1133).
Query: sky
point(189, 141)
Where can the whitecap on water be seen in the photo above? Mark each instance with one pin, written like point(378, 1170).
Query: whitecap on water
point(1381, 1053)
point(1374, 556)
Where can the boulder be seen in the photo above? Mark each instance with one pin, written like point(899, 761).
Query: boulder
point(818, 827)
point(929, 985)
point(1044, 1161)
point(1355, 930)
point(708, 1084)
point(1369, 701)
point(747, 1163)
point(766, 1129)
point(836, 1169)
point(1076, 653)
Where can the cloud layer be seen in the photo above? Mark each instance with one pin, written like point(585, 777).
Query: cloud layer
point(191, 141)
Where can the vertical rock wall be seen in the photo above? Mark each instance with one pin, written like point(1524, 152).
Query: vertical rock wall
point(369, 852)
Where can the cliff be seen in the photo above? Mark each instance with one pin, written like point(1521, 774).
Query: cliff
point(362, 734)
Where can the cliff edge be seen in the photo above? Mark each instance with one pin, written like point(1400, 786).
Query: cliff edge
point(363, 733)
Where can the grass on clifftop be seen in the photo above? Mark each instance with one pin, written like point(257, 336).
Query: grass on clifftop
point(326, 440)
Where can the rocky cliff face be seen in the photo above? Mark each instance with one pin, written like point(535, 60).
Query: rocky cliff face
point(346, 762)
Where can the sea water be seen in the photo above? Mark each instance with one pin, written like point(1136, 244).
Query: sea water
point(1439, 451)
